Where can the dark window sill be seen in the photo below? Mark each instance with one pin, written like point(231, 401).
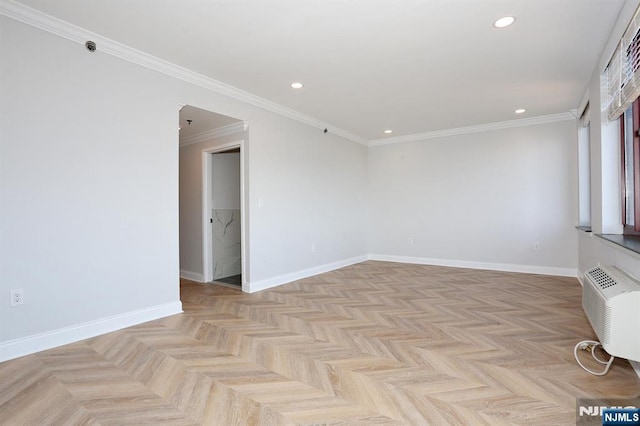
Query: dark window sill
point(584, 228)
point(627, 241)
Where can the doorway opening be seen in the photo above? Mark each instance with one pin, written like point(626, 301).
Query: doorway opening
point(222, 210)
point(213, 238)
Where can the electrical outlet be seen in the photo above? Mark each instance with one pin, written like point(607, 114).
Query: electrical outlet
point(313, 248)
point(16, 297)
point(410, 240)
point(536, 246)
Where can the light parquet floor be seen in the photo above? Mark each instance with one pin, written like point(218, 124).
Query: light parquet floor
point(372, 344)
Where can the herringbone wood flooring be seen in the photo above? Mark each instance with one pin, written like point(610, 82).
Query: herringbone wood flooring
point(372, 344)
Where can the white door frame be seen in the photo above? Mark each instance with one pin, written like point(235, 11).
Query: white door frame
point(207, 237)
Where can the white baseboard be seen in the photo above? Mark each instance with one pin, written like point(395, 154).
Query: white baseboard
point(38, 342)
point(504, 267)
point(193, 276)
point(298, 275)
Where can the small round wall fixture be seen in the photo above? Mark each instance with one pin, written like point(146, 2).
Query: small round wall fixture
point(520, 111)
point(91, 46)
point(297, 85)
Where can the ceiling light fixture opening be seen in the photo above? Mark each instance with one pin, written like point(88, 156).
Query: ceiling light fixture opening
point(504, 22)
point(297, 85)
point(388, 131)
point(520, 111)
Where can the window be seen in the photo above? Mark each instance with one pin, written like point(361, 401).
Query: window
point(630, 168)
point(623, 86)
point(623, 71)
point(584, 169)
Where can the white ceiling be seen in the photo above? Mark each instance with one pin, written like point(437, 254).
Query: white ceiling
point(201, 121)
point(409, 65)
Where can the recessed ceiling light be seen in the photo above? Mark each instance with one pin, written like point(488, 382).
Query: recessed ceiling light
point(297, 85)
point(388, 131)
point(504, 22)
point(520, 111)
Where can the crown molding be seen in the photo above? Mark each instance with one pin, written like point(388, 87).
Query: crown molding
point(574, 113)
point(208, 135)
point(66, 30)
point(565, 116)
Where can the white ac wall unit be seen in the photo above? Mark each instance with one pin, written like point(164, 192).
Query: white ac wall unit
point(611, 300)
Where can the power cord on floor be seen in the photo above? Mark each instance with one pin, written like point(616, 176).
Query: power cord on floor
point(590, 346)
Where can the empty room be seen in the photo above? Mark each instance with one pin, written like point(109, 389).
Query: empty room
point(278, 212)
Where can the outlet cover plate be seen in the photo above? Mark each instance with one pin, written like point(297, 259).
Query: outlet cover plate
point(16, 297)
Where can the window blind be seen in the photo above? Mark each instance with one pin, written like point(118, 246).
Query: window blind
point(623, 71)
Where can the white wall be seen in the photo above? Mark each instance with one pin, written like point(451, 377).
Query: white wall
point(313, 192)
point(225, 181)
point(89, 191)
point(595, 251)
point(479, 200)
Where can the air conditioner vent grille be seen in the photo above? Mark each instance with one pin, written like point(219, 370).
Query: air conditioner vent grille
point(601, 278)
